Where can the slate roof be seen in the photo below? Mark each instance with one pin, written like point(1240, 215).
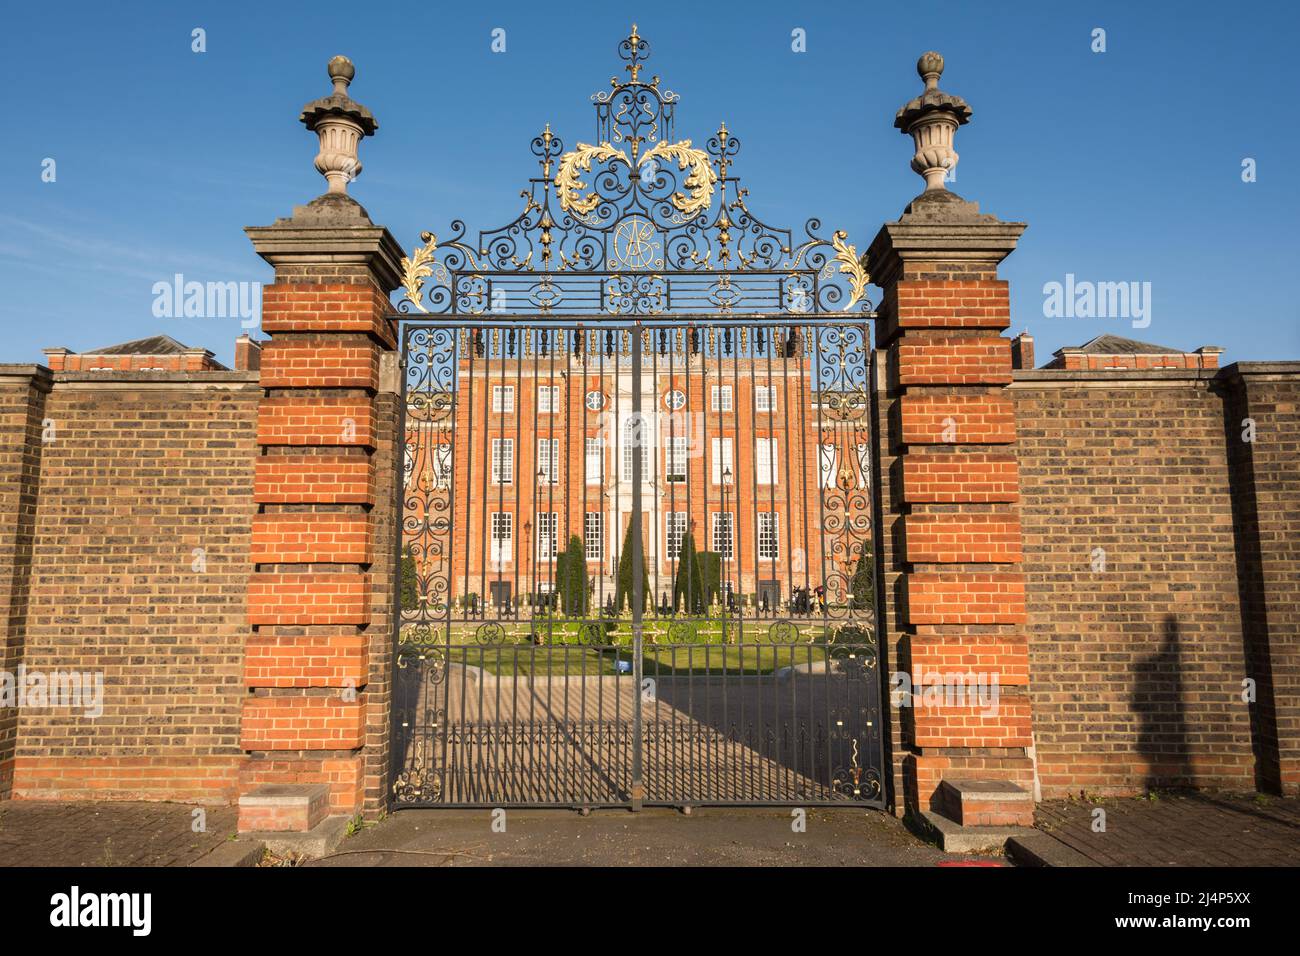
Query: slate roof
point(1117, 345)
point(154, 345)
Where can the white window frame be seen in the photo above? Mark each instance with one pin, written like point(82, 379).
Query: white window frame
point(442, 464)
point(503, 461)
point(826, 456)
point(720, 399)
point(548, 461)
point(595, 460)
point(716, 524)
point(724, 458)
point(502, 536)
point(768, 403)
point(676, 451)
point(626, 446)
point(767, 455)
point(768, 531)
point(675, 400)
point(503, 399)
point(674, 531)
point(545, 518)
point(437, 456)
point(593, 535)
point(548, 399)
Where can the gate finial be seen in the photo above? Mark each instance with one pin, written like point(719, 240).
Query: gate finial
point(931, 119)
point(340, 122)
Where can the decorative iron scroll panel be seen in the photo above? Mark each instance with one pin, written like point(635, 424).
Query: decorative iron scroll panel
point(534, 668)
point(637, 222)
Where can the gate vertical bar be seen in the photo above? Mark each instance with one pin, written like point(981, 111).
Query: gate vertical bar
point(638, 571)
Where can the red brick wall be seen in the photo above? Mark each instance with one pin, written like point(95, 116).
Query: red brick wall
point(22, 411)
point(1263, 401)
point(950, 550)
point(324, 585)
point(1090, 361)
point(976, 477)
point(195, 360)
point(1136, 668)
point(142, 470)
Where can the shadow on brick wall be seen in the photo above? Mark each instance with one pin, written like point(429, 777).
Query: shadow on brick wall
point(1158, 701)
point(1251, 591)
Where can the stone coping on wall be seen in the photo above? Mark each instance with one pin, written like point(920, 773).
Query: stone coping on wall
point(119, 379)
point(1100, 378)
point(1283, 369)
point(18, 374)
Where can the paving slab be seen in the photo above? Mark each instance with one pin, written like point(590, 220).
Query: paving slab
point(1178, 829)
point(709, 836)
point(67, 833)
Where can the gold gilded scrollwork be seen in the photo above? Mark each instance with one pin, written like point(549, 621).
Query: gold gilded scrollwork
point(851, 265)
point(570, 187)
point(699, 179)
point(417, 268)
point(587, 215)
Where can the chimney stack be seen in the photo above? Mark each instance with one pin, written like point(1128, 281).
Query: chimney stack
point(1209, 355)
point(56, 360)
point(248, 354)
point(1022, 351)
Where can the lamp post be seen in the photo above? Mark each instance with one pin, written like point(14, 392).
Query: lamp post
point(536, 556)
point(528, 550)
point(609, 519)
point(726, 556)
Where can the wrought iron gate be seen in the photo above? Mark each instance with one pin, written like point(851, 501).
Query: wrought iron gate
point(636, 544)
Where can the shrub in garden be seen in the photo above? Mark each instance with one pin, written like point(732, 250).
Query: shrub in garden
point(410, 588)
point(571, 578)
point(688, 589)
point(860, 587)
point(623, 590)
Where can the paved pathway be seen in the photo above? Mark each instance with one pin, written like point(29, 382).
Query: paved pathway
point(470, 737)
point(1173, 830)
point(1195, 829)
point(39, 833)
point(655, 837)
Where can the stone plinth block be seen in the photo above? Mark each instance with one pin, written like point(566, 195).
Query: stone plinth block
point(275, 807)
point(986, 803)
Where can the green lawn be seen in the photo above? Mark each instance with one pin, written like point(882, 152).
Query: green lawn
point(618, 632)
point(517, 660)
point(557, 647)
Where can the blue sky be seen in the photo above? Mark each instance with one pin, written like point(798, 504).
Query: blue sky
point(1126, 164)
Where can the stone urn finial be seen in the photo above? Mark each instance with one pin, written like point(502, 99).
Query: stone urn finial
point(341, 123)
point(342, 71)
point(931, 119)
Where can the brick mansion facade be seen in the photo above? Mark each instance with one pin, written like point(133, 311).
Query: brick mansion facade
point(736, 453)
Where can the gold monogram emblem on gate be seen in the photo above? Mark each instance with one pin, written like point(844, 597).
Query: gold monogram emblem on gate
point(635, 245)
